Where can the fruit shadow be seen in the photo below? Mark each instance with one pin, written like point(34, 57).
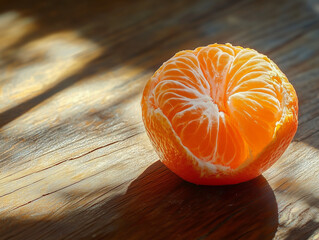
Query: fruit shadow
point(159, 205)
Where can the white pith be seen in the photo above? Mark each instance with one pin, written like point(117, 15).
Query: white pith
point(202, 95)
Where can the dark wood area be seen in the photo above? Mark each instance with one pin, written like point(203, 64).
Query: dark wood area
point(75, 161)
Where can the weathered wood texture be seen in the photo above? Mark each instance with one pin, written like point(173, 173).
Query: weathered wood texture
point(75, 162)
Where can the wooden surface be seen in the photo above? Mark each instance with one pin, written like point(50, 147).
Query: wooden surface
point(75, 162)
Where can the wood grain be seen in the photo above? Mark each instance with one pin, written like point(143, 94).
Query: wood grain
point(75, 162)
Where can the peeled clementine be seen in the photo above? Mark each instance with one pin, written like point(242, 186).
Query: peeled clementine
point(219, 114)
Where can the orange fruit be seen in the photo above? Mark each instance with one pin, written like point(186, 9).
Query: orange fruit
point(219, 114)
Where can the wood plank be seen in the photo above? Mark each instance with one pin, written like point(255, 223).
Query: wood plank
point(75, 162)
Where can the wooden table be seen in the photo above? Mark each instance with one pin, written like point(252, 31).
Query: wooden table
point(75, 162)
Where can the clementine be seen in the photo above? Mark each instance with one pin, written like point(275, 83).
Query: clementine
point(219, 114)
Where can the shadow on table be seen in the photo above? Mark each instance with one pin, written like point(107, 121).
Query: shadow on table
point(160, 205)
